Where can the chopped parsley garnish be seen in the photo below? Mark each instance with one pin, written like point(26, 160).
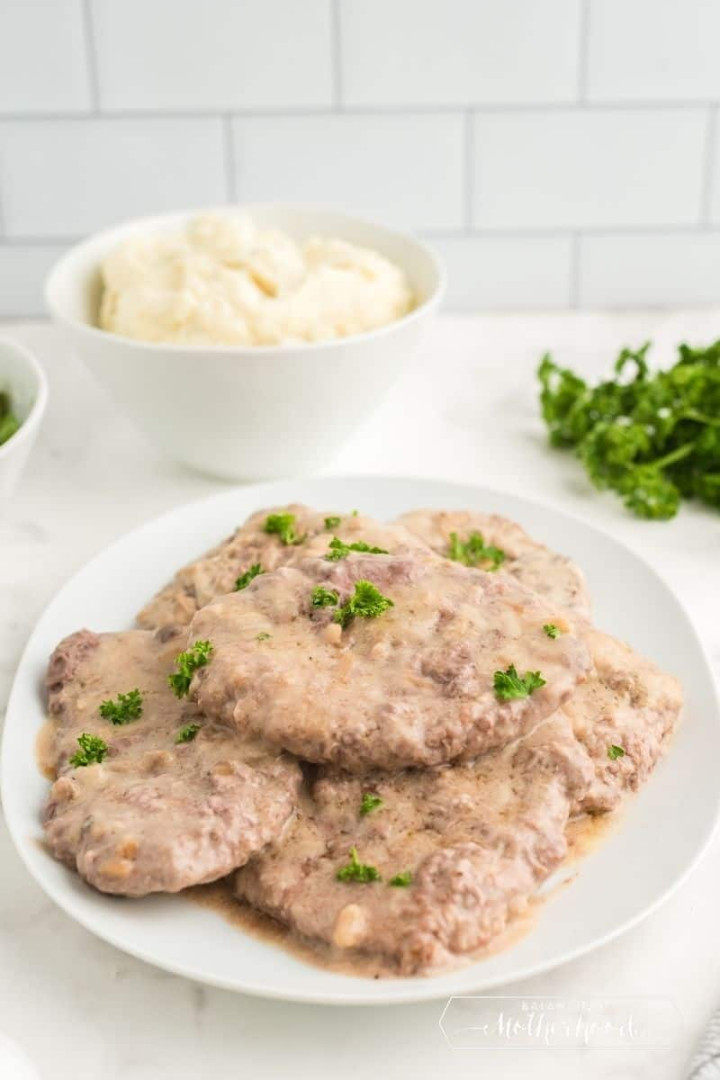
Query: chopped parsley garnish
point(653, 437)
point(369, 803)
point(367, 602)
point(92, 750)
point(187, 733)
point(340, 550)
point(332, 522)
point(551, 630)
point(187, 664)
point(9, 422)
point(474, 551)
point(263, 636)
point(402, 880)
point(127, 708)
point(322, 597)
point(244, 580)
point(615, 752)
point(509, 686)
point(357, 871)
point(283, 526)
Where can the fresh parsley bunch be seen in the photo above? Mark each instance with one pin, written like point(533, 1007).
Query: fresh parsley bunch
point(653, 437)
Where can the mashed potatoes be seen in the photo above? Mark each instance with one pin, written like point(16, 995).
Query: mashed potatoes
point(224, 281)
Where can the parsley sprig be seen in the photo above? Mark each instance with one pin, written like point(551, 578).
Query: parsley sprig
point(283, 526)
point(367, 602)
point(509, 686)
point(474, 551)
point(551, 630)
point(322, 597)
point(244, 580)
point(187, 664)
point(357, 871)
point(370, 802)
point(653, 438)
point(332, 523)
point(93, 750)
point(125, 709)
point(615, 752)
point(187, 733)
point(401, 880)
point(340, 550)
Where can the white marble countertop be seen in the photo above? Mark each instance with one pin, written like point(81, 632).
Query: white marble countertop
point(466, 411)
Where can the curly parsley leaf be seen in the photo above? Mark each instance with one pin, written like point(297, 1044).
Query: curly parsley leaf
point(615, 752)
point(340, 550)
point(187, 664)
point(93, 750)
point(125, 709)
point(551, 630)
point(244, 580)
point(367, 602)
point(509, 686)
point(283, 526)
point(322, 597)
point(401, 880)
point(357, 871)
point(332, 523)
point(370, 802)
point(474, 551)
point(187, 733)
point(651, 437)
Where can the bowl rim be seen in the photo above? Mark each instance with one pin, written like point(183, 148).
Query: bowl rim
point(27, 428)
point(131, 225)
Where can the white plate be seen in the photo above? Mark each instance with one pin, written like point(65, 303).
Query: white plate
point(663, 833)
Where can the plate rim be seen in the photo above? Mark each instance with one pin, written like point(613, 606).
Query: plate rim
point(424, 988)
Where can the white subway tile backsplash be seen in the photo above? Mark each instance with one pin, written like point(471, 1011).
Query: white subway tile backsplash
point(23, 270)
point(62, 178)
point(491, 273)
point(459, 52)
point(588, 168)
point(213, 54)
point(650, 271)
point(406, 170)
point(653, 50)
point(43, 62)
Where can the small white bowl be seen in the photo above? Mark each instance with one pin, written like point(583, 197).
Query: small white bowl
point(237, 412)
point(24, 379)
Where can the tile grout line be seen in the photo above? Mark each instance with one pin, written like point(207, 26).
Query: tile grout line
point(91, 56)
point(473, 233)
point(583, 51)
point(708, 176)
point(392, 110)
point(469, 170)
point(336, 54)
point(229, 155)
point(574, 298)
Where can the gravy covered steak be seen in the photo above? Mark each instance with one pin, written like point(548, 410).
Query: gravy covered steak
point(149, 796)
point(491, 542)
point(384, 661)
point(623, 716)
point(371, 738)
point(269, 539)
point(422, 867)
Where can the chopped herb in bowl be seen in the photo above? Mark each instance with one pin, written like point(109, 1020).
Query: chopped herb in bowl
point(9, 422)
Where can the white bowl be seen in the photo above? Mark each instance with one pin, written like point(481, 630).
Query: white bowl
point(24, 379)
point(237, 412)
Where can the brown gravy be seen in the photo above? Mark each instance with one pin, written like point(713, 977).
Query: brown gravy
point(584, 835)
point(219, 897)
point(44, 753)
